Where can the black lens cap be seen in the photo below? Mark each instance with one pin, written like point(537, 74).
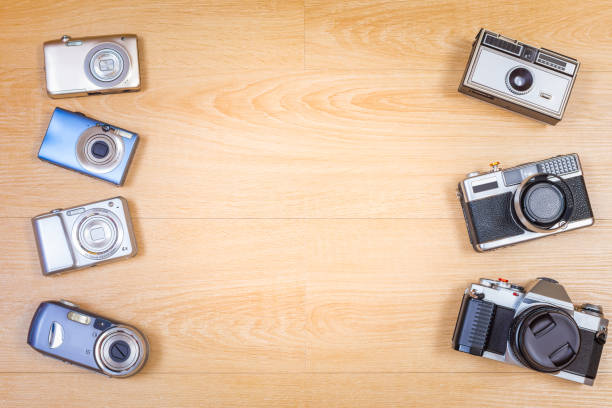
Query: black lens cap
point(545, 338)
point(99, 149)
point(544, 204)
point(119, 351)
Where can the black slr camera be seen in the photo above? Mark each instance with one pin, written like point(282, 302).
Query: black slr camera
point(537, 327)
point(533, 200)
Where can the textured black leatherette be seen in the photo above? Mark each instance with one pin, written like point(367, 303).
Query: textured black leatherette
point(582, 205)
point(491, 218)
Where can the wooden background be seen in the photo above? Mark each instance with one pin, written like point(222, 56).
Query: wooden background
point(294, 202)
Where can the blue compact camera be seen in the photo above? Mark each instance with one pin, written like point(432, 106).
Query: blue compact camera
point(88, 146)
point(63, 331)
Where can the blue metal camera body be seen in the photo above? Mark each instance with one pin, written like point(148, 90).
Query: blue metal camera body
point(77, 142)
point(63, 331)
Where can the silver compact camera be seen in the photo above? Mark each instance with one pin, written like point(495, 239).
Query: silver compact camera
point(537, 327)
point(533, 200)
point(533, 81)
point(85, 235)
point(91, 65)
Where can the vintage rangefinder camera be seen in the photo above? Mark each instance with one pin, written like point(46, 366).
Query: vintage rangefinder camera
point(537, 327)
point(533, 81)
point(533, 200)
point(86, 145)
point(63, 331)
point(91, 65)
point(85, 235)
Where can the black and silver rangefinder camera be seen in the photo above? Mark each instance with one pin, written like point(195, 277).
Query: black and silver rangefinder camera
point(533, 81)
point(537, 327)
point(533, 200)
point(63, 331)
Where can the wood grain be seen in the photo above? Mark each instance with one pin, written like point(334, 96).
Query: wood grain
point(293, 196)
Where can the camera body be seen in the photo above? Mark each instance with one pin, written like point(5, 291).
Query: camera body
point(85, 235)
point(86, 145)
point(63, 331)
point(533, 200)
point(537, 327)
point(533, 81)
point(91, 65)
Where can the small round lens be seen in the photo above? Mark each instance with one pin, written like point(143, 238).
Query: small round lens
point(519, 80)
point(99, 149)
point(119, 351)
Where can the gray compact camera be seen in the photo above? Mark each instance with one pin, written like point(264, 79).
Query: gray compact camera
point(85, 235)
point(533, 200)
point(533, 81)
point(91, 65)
point(536, 327)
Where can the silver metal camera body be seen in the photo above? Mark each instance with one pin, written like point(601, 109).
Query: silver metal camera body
point(91, 65)
point(85, 235)
point(507, 206)
point(537, 327)
point(533, 81)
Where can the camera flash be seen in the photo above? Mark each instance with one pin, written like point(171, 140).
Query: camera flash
point(78, 317)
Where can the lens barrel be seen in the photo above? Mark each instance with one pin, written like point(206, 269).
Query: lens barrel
point(519, 80)
point(545, 338)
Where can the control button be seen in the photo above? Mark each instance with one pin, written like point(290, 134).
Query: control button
point(76, 211)
point(68, 303)
point(56, 335)
point(473, 174)
point(79, 317)
point(545, 95)
point(495, 166)
point(56, 210)
point(65, 38)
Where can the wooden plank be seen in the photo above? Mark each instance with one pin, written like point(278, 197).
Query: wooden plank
point(174, 35)
point(438, 35)
point(301, 390)
point(313, 144)
point(293, 295)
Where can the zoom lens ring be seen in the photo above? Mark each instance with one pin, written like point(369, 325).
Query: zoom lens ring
point(87, 230)
point(84, 150)
point(116, 55)
point(131, 362)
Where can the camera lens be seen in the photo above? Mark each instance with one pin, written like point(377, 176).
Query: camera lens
point(543, 204)
point(545, 338)
point(119, 351)
point(107, 64)
point(99, 149)
point(97, 234)
point(519, 80)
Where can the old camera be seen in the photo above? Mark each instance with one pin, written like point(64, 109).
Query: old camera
point(63, 331)
point(86, 145)
point(533, 200)
point(84, 235)
point(533, 81)
point(91, 65)
point(537, 327)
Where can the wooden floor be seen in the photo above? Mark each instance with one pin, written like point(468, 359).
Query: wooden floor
point(301, 244)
